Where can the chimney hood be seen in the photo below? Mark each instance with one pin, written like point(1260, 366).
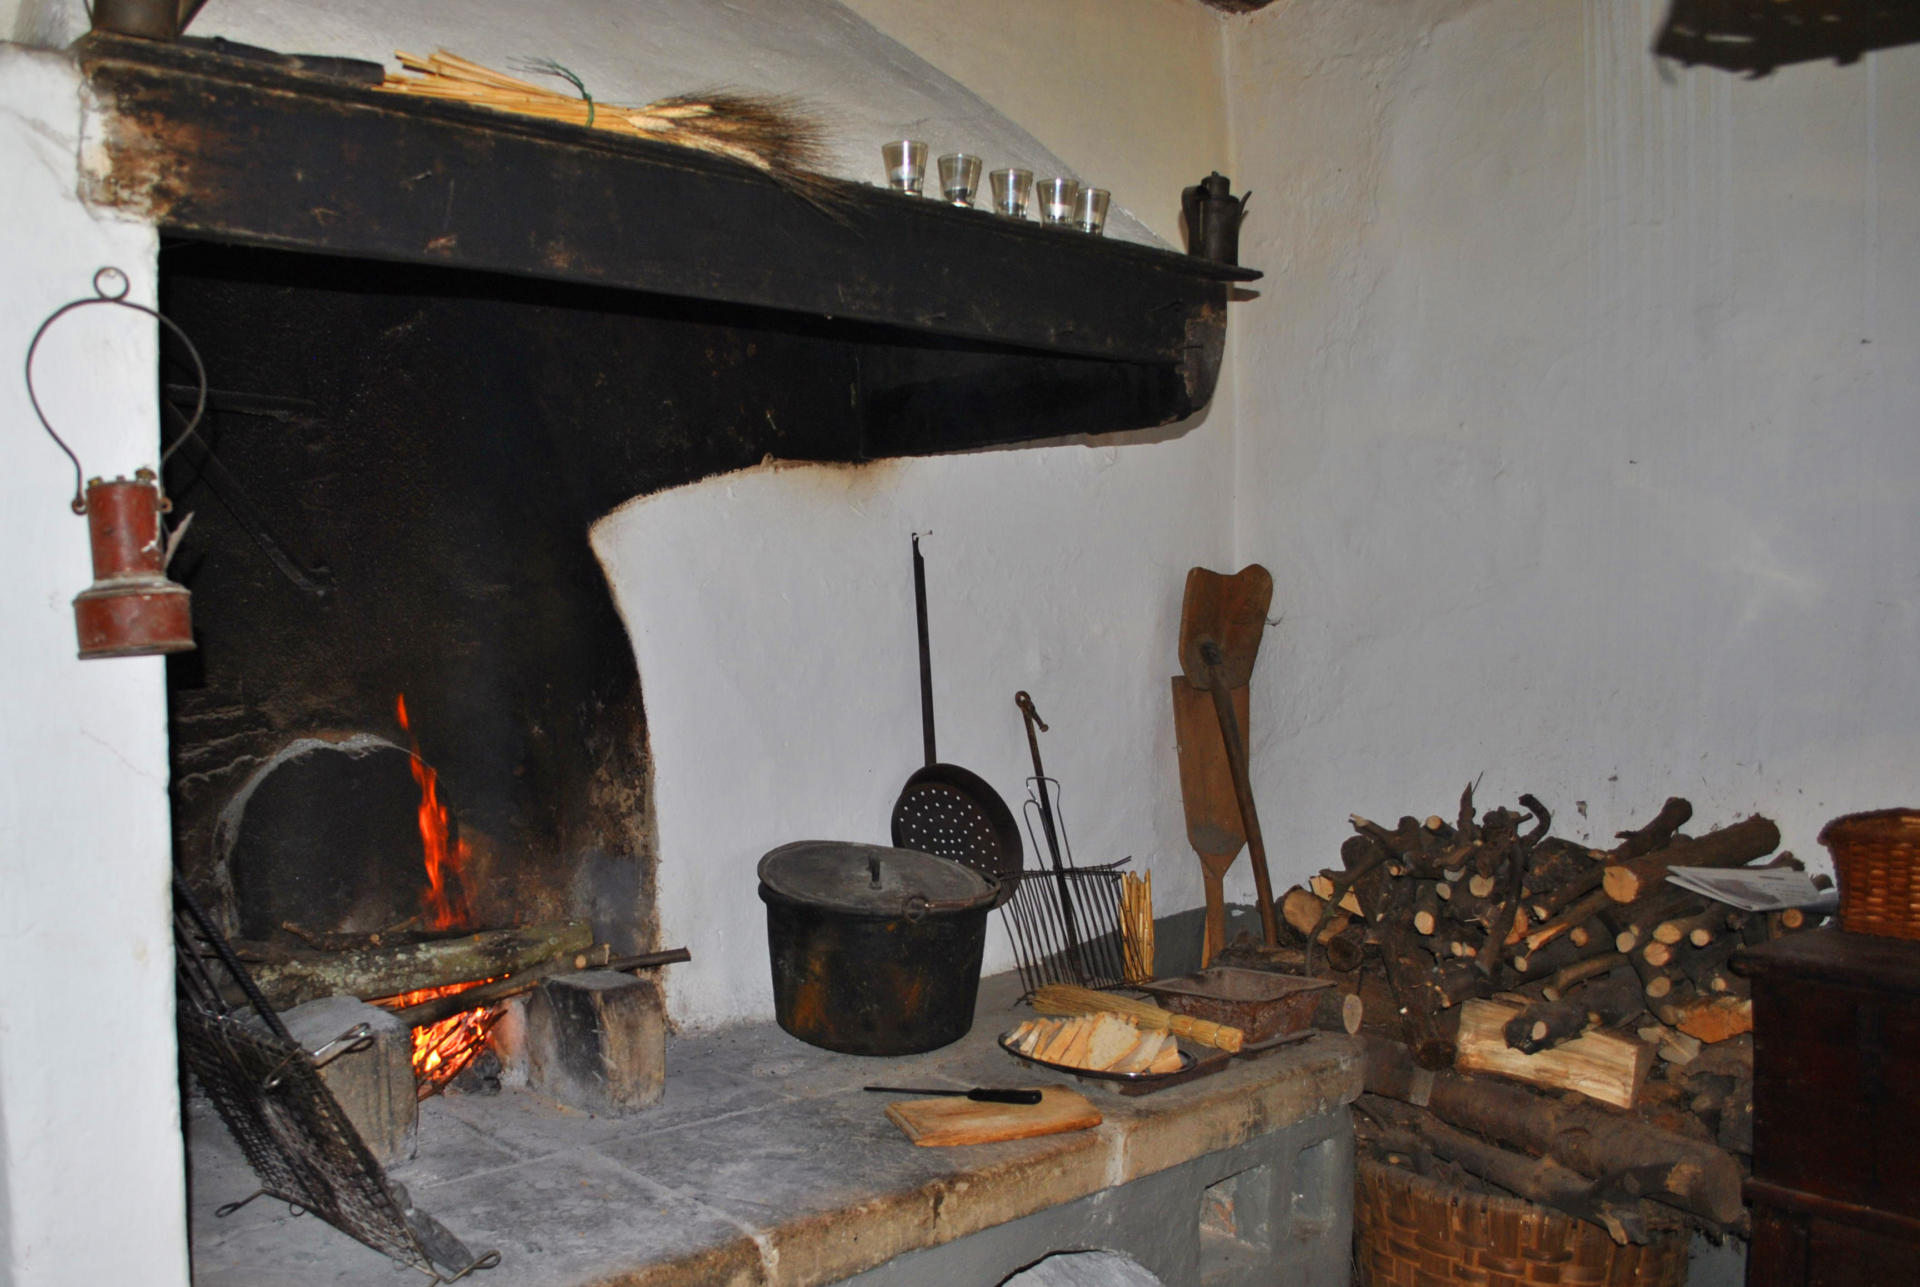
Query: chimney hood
point(966, 329)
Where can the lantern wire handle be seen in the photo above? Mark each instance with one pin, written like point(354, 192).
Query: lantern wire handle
point(104, 294)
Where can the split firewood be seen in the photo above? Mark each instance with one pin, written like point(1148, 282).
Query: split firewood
point(1323, 887)
point(1306, 912)
point(1711, 1019)
point(1733, 846)
point(372, 972)
point(1600, 1065)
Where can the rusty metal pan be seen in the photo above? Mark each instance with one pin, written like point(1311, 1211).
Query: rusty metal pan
point(1260, 1003)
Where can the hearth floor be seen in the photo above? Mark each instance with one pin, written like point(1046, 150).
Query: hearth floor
point(763, 1163)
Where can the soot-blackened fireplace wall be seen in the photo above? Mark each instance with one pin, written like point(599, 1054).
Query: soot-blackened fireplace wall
point(399, 469)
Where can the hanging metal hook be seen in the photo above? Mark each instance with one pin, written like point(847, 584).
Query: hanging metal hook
point(104, 294)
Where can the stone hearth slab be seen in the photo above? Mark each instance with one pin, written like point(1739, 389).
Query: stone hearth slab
point(763, 1164)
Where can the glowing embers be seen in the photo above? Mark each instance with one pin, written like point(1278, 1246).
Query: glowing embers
point(443, 1049)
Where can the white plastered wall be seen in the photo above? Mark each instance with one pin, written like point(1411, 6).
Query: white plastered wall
point(1577, 419)
point(91, 1181)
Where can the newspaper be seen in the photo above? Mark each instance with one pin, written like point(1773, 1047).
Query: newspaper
point(1756, 889)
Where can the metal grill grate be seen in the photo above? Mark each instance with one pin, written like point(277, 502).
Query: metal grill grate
point(295, 1135)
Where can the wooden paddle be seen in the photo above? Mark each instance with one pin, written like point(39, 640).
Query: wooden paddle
point(1206, 788)
point(1221, 621)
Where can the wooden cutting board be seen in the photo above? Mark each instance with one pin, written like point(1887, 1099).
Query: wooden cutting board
point(933, 1123)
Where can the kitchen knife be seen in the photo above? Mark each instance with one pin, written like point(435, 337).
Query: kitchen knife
point(981, 1094)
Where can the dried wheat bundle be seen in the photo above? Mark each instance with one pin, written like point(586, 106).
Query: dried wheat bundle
point(770, 134)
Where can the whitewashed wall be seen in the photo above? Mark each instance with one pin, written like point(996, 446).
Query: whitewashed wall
point(91, 1182)
point(1577, 418)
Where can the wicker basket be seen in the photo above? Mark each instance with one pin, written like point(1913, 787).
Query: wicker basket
point(1876, 862)
point(1416, 1232)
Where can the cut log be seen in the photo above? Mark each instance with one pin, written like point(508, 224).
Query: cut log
point(1426, 907)
point(1673, 815)
point(1568, 977)
point(371, 973)
point(1538, 1179)
point(1733, 846)
point(1600, 1065)
point(1337, 1011)
point(439, 1008)
point(1595, 1141)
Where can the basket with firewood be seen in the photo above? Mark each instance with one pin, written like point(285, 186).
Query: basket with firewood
point(1547, 1022)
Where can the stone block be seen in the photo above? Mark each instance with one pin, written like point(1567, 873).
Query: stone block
point(597, 1041)
point(375, 1086)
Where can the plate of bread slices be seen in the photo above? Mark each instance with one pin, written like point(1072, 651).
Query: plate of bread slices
point(1109, 1049)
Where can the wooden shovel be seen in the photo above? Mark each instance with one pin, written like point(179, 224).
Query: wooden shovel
point(1206, 788)
point(1221, 621)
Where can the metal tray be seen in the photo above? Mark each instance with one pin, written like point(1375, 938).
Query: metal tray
point(1260, 1003)
point(1191, 1067)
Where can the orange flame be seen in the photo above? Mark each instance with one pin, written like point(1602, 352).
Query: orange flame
point(444, 903)
point(442, 1050)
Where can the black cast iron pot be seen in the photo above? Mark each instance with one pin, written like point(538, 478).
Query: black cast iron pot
point(876, 951)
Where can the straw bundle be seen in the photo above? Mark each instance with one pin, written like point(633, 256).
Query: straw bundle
point(1136, 925)
point(1064, 998)
point(770, 134)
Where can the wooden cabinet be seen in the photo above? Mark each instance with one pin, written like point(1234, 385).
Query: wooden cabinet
point(1836, 1122)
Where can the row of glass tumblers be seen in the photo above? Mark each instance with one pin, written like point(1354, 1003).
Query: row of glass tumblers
point(1059, 200)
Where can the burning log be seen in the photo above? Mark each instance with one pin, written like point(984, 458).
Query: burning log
point(445, 1007)
point(293, 977)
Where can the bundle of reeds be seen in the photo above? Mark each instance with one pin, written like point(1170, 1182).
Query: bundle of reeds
point(1136, 925)
point(1064, 998)
point(770, 134)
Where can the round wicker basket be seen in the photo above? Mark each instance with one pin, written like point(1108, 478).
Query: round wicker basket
point(1876, 861)
point(1416, 1232)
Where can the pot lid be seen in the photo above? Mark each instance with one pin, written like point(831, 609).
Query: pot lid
point(873, 880)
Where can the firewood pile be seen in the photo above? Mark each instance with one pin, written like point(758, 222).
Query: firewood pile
point(1544, 1018)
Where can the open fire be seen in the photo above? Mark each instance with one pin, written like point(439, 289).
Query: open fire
point(442, 1050)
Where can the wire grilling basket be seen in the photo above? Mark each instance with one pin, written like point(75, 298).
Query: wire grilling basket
point(267, 1090)
point(1064, 923)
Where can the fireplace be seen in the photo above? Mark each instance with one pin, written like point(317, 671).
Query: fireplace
point(418, 409)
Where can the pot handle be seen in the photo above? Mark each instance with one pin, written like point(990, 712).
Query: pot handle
point(916, 906)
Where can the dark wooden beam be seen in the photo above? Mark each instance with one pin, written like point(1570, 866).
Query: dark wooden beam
point(224, 149)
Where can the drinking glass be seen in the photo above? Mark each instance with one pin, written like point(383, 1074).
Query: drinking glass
point(1056, 198)
point(959, 177)
point(906, 165)
point(1011, 188)
point(1090, 211)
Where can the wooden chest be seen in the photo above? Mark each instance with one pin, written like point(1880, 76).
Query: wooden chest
point(1836, 1127)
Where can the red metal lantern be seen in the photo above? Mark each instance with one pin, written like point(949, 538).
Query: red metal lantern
point(132, 609)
